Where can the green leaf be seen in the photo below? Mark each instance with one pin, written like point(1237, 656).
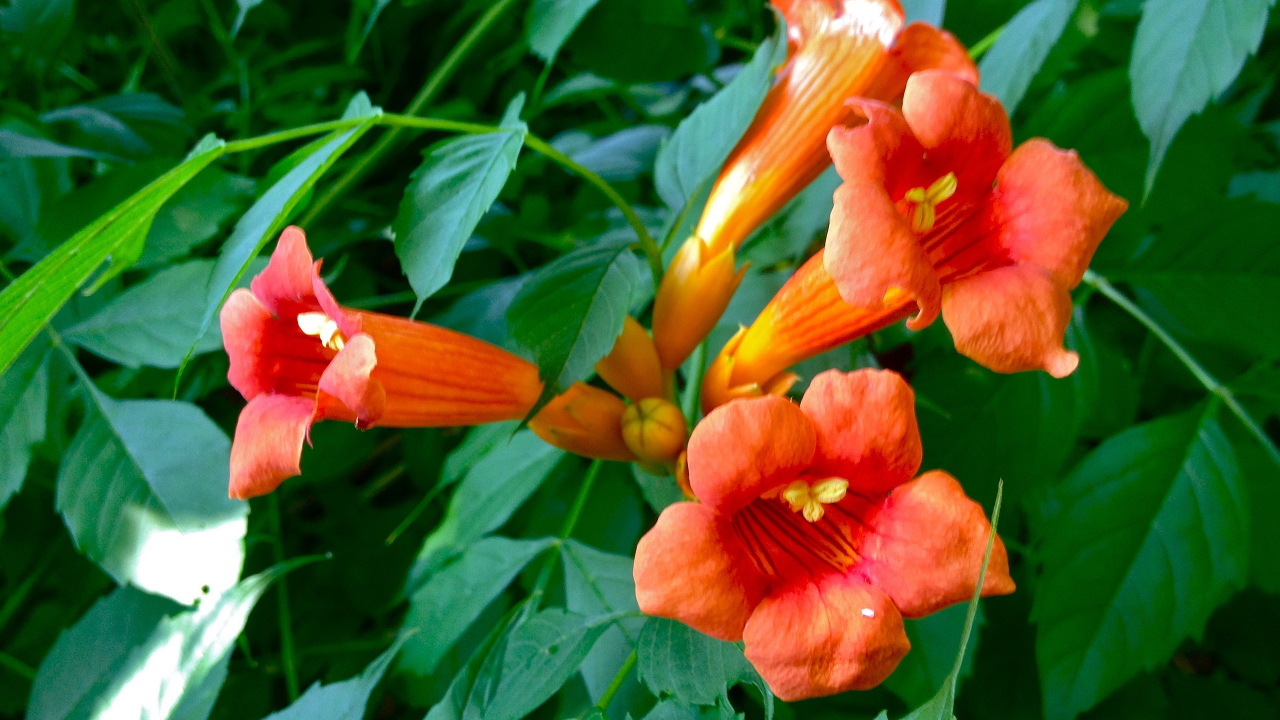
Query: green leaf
point(268, 215)
point(479, 442)
point(24, 404)
point(245, 7)
point(1197, 291)
point(153, 323)
point(195, 214)
point(599, 583)
point(469, 687)
point(790, 233)
point(1150, 536)
point(451, 190)
point(934, 640)
point(658, 490)
point(89, 655)
point(619, 157)
point(344, 700)
point(18, 145)
point(41, 25)
point(929, 11)
point(445, 606)
point(705, 138)
point(493, 489)
point(542, 653)
point(1009, 66)
point(1186, 53)
point(143, 490)
point(676, 660)
point(570, 312)
point(551, 22)
point(30, 301)
point(636, 41)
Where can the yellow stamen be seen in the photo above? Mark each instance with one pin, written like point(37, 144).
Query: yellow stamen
point(317, 324)
point(810, 499)
point(927, 199)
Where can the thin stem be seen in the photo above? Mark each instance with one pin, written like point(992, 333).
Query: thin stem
point(17, 667)
point(288, 659)
point(254, 143)
point(977, 591)
point(570, 521)
point(981, 47)
point(1209, 382)
point(19, 595)
point(415, 513)
point(433, 85)
point(647, 243)
point(618, 679)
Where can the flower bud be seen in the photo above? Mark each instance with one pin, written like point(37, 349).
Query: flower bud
point(693, 295)
point(654, 429)
point(632, 367)
point(586, 421)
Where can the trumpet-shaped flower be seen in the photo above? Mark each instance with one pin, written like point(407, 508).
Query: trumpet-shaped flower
point(840, 49)
point(937, 215)
point(812, 541)
point(299, 357)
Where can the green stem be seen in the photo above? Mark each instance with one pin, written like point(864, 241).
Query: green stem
point(19, 595)
point(1209, 382)
point(544, 576)
point(981, 47)
point(616, 684)
point(17, 667)
point(415, 513)
point(254, 143)
point(647, 243)
point(288, 659)
point(434, 83)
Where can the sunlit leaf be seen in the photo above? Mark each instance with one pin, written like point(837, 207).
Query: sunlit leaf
point(1151, 536)
point(143, 490)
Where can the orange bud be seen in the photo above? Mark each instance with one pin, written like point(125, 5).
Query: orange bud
point(586, 421)
point(632, 367)
point(693, 295)
point(655, 430)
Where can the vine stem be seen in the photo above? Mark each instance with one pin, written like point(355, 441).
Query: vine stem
point(429, 89)
point(616, 684)
point(647, 243)
point(1210, 383)
point(571, 521)
point(287, 654)
point(981, 47)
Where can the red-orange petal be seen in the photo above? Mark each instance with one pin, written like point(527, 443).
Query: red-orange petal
point(1011, 319)
point(919, 47)
point(267, 449)
point(288, 274)
point(348, 379)
point(690, 568)
point(812, 640)
point(1052, 210)
point(867, 432)
point(925, 547)
point(244, 322)
point(746, 448)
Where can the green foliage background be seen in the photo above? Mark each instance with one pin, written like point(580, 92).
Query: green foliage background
point(524, 145)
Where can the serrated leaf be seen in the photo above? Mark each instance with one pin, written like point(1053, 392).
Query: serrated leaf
point(485, 499)
point(543, 652)
point(88, 655)
point(153, 323)
point(676, 660)
point(1013, 61)
point(345, 700)
point(445, 606)
point(570, 312)
point(143, 491)
point(24, 404)
point(1151, 536)
point(600, 583)
point(703, 140)
point(30, 301)
point(451, 190)
point(551, 22)
point(1186, 53)
point(267, 216)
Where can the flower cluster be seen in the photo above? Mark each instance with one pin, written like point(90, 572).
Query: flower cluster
point(806, 533)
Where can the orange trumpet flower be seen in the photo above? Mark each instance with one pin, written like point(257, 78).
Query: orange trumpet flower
point(937, 215)
point(840, 49)
point(299, 357)
point(812, 541)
